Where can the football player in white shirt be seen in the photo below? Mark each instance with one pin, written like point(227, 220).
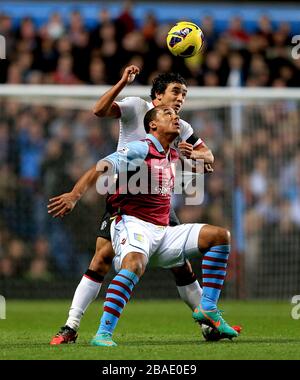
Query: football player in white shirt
point(168, 89)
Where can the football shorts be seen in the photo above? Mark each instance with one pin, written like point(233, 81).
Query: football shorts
point(105, 223)
point(163, 246)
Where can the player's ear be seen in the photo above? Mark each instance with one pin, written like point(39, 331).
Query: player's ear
point(152, 125)
point(158, 96)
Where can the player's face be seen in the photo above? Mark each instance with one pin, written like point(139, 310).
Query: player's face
point(167, 122)
point(174, 96)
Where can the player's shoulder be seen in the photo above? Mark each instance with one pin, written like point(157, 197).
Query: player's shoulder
point(132, 99)
point(186, 129)
point(184, 123)
point(132, 106)
point(135, 149)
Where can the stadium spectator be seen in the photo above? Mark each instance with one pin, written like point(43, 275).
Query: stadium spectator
point(40, 263)
point(55, 27)
point(149, 26)
point(97, 72)
point(237, 34)
point(15, 258)
point(125, 20)
point(209, 31)
point(64, 72)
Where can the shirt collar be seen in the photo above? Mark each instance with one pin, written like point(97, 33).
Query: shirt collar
point(157, 144)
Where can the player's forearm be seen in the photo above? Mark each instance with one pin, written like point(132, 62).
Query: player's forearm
point(84, 183)
point(103, 106)
point(203, 154)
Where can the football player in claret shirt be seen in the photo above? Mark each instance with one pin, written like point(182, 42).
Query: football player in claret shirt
point(141, 234)
point(168, 89)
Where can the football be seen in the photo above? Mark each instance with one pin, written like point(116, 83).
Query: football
point(185, 39)
point(210, 334)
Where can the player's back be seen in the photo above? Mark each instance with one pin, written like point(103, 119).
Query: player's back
point(133, 110)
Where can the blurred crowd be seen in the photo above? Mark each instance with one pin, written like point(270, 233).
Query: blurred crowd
point(44, 150)
point(43, 153)
point(60, 52)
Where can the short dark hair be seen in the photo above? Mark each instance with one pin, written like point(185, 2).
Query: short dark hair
point(150, 115)
point(161, 82)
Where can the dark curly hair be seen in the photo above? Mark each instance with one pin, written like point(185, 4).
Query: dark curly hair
point(161, 82)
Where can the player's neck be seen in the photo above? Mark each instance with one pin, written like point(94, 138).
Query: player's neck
point(166, 145)
point(165, 141)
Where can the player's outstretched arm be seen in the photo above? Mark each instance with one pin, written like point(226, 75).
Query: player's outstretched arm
point(63, 204)
point(105, 106)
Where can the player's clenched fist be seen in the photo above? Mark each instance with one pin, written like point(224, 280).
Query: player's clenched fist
point(61, 205)
point(185, 148)
point(129, 73)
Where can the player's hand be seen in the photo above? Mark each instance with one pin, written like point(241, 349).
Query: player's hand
point(186, 149)
point(208, 168)
point(129, 74)
point(61, 205)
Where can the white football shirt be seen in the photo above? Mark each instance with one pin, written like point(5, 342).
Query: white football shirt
point(133, 110)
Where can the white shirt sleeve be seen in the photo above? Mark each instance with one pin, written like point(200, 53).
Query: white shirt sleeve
point(129, 107)
point(187, 131)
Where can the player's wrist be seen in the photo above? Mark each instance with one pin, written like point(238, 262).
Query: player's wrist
point(75, 196)
point(123, 82)
point(194, 156)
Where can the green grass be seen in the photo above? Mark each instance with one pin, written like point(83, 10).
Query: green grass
point(150, 330)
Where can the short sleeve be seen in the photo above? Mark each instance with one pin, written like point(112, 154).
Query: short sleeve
point(130, 157)
point(128, 107)
point(186, 130)
point(187, 134)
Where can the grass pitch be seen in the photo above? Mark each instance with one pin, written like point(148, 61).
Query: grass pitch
point(150, 330)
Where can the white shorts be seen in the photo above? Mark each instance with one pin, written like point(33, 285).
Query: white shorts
point(163, 246)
